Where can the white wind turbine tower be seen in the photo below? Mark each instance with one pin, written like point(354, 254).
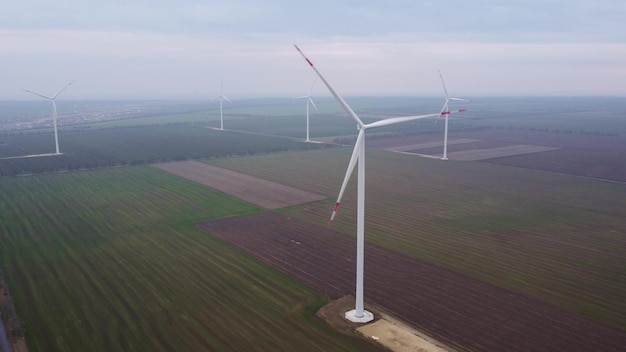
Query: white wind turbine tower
point(358, 314)
point(221, 96)
point(309, 101)
point(54, 111)
point(445, 110)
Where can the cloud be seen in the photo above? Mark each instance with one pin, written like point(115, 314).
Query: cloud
point(136, 64)
point(166, 49)
point(486, 20)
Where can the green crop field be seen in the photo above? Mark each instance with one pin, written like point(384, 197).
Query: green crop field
point(556, 237)
point(109, 260)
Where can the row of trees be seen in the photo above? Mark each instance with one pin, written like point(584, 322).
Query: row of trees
point(146, 145)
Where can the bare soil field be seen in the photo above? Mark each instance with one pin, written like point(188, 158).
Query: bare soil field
point(266, 194)
point(463, 313)
point(575, 154)
point(435, 144)
point(498, 152)
point(396, 338)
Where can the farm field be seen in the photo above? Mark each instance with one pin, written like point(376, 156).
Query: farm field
point(277, 116)
point(554, 237)
point(459, 311)
point(105, 134)
point(286, 116)
point(130, 146)
point(583, 155)
point(77, 114)
point(254, 190)
point(109, 260)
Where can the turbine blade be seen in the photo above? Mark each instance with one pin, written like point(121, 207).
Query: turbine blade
point(339, 99)
point(460, 99)
point(64, 88)
point(394, 120)
point(445, 90)
point(37, 94)
point(221, 95)
point(311, 89)
point(312, 103)
point(453, 112)
point(353, 160)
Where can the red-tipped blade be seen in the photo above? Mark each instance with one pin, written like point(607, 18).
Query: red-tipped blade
point(353, 160)
point(306, 58)
point(339, 99)
point(332, 217)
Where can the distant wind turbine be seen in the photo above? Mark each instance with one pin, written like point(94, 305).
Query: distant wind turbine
point(54, 111)
point(308, 101)
point(221, 96)
point(445, 110)
point(358, 314)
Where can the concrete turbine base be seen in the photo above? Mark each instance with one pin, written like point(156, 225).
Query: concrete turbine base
point(366, 318)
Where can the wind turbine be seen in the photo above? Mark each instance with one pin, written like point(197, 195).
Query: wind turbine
point(445, 111)
point(54, 111)
point(308, 101)
point(358, 314)
point(222, 97)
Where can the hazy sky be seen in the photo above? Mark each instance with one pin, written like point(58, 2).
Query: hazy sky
point(183, 49)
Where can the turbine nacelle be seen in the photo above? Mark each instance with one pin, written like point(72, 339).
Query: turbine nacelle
point(309, 100)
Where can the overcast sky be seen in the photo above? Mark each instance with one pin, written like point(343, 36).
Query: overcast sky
point(182, 49)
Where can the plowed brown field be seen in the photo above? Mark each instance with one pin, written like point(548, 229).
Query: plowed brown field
point(267, 194)
point(575, 154)
point(464, 313)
